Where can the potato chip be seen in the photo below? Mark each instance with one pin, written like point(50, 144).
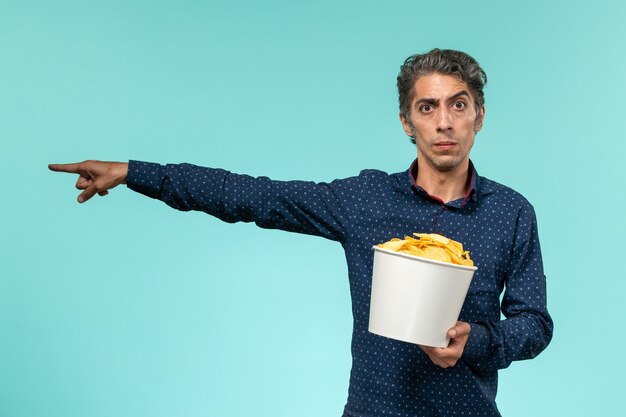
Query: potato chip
point(430, 246)
point(436, 253)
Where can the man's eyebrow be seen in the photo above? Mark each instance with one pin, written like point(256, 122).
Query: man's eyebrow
point(427, 100)
point(459, 94)
point(433, 101)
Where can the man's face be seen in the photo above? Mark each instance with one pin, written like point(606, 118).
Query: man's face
point(444, 120)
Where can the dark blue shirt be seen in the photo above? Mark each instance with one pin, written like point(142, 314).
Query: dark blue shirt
point(388, 377)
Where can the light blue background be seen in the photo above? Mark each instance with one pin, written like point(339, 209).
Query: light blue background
point(124, 307)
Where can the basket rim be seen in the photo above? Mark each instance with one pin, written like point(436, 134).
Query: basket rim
point(419, 258)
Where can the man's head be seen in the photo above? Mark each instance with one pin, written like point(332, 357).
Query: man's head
point(439, 61)
point(442, 106)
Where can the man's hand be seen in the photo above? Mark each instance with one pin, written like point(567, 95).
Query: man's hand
point(95, 176)
point(450, 355)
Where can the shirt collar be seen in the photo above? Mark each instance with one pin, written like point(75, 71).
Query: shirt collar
point(472, 188)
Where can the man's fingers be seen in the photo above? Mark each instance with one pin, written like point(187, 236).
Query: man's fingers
point(438, 360)
point(440, 364)
point(94, 177)
point(71, 168)
point(83, 182)
point(87, 194)
point(434, 355)
point(449, 356)
point(442, 357)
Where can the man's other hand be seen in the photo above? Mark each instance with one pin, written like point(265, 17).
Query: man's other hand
point(449, 356)
point(95, 176)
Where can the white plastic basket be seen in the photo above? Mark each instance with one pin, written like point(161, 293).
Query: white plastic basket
point(415, 299)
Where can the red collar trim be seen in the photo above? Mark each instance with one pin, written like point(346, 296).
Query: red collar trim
point(470, 188)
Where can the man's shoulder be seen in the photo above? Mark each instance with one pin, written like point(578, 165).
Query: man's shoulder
point(502, 194)
point(373, 181)
point(374, 175)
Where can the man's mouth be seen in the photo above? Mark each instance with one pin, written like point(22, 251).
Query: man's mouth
point(445, 145)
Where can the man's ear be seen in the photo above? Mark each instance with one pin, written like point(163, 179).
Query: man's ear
point(406, 125)
point(478, 124)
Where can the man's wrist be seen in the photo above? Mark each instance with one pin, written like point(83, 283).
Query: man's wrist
point(477, 341)
point(122, 172)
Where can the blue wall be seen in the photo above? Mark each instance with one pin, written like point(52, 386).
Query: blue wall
point(124, 307)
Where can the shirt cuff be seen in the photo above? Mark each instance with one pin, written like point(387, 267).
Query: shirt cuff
point(145, 177)
point(477, 342)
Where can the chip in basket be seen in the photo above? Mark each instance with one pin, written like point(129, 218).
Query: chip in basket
point(431, 246)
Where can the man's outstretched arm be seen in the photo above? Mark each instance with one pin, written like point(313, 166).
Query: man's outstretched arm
point(320, 209)
point(95, 176)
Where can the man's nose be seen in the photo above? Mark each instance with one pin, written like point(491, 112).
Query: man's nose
point(444, 121)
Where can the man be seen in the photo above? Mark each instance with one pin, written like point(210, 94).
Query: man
point(441, 110)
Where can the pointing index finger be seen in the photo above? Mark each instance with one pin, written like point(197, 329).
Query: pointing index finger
point(71, 168)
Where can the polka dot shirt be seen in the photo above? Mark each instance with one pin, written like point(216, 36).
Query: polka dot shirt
point(388, 377)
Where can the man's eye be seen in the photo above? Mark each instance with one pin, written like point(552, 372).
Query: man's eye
point(459, 105)
point(426, 108)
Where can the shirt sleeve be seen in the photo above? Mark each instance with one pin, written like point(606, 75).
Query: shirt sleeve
point(297, 206)
point(527, 327)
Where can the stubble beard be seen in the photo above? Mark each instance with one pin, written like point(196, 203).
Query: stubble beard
point(444, 162)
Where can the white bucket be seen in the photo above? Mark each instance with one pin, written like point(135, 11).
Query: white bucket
point(414, 299)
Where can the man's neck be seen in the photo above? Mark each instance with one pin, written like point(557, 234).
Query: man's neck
point(447, 185)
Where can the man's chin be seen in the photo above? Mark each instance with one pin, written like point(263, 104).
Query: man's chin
point(447, 164)
point(445, 168)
